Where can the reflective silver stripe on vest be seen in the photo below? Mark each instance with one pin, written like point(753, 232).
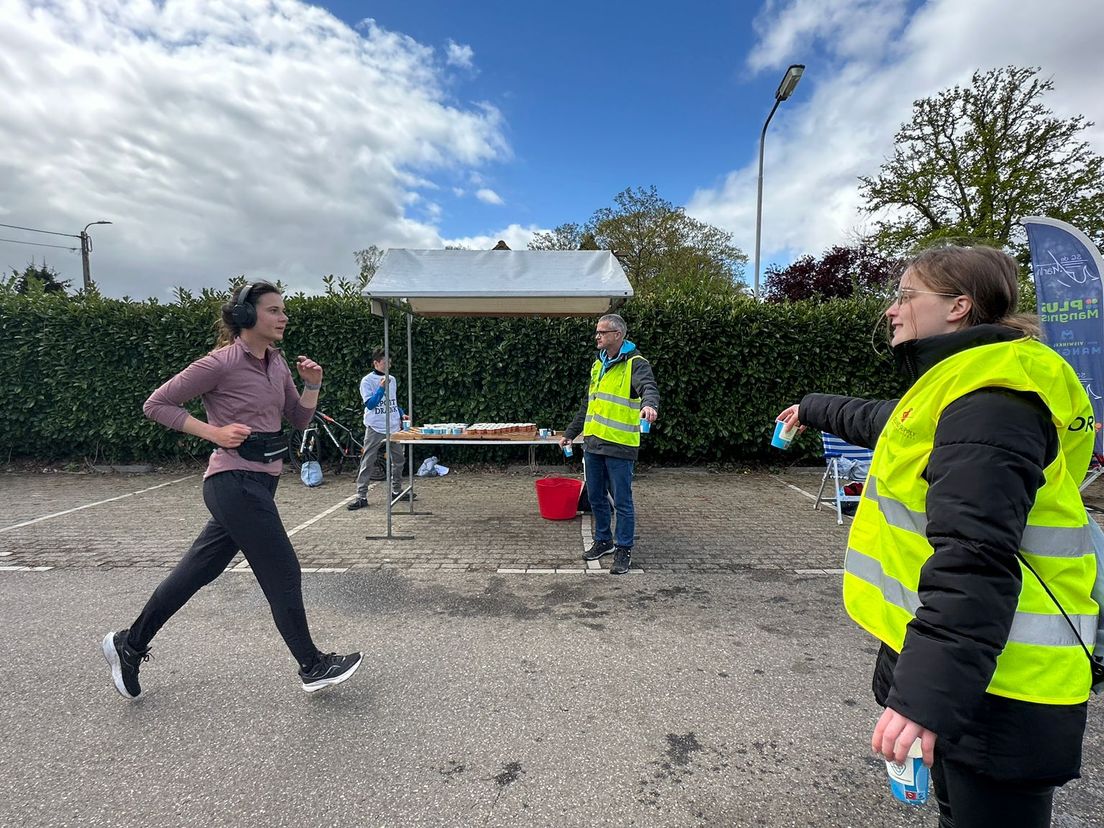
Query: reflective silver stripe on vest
point(865, 568)
point(1027, 627)
point(1043, 541)
point(613, 398)
point(606, 421)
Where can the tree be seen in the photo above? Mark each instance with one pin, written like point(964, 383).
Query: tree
point(565, 237)
point(840, 273)
point(660, 247)
point(37, 278)
point(368, 261)
point(973, 160)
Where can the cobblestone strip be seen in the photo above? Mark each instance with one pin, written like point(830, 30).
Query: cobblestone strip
point(88, 506)
point(244, 565)
point(809, 495)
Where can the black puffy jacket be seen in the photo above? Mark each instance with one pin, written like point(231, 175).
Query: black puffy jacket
point(985, 467)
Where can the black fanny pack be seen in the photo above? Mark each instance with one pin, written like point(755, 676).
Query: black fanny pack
point(264, 447)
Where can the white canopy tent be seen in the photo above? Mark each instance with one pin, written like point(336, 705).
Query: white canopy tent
point(502, 282)
point(487, 283)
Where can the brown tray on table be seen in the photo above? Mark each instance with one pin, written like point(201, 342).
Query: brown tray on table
point(416, 434)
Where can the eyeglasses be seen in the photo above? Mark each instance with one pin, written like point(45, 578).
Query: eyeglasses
point(904, 294)
point(605, 333)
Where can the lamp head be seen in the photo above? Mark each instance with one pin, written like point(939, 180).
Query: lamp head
point(789, 81)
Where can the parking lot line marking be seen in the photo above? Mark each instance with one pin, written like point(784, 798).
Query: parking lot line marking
point(90, 505)
point(797, 489)
point(321, 515)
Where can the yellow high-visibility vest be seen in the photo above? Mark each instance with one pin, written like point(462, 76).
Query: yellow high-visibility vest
point(1042, 661)
point(612, 412)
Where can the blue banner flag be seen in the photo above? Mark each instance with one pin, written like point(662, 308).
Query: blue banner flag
point(1067, 267)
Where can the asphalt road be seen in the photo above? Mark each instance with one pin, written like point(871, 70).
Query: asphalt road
point(484, 700)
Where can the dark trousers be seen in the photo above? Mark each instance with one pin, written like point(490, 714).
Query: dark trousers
point(243, 516)
point(612, 474)
point(969, 800)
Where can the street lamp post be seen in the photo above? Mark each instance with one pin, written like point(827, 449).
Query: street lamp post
point(785, 89)
point(86, 248)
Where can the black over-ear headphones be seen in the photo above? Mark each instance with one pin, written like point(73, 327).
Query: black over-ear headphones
point(243, 312)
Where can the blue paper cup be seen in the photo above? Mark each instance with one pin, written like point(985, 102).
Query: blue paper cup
point(568, 450)
point(645, 426)
point(909, 782)
point(783, 435)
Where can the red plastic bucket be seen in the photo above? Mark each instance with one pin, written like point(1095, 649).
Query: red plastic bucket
point(558, 497)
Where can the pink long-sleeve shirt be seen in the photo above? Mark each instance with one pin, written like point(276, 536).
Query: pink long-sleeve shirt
point(236, 387)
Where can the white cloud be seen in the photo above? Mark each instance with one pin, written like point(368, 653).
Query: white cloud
point(488, 196)
point(840, 122)
point(223, 137)
point(516, 236)
point(459, 55)
point(853, 29)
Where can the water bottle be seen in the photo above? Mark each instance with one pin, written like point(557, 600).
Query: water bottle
point(568, 450)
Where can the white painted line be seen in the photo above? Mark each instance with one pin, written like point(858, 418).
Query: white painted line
point(797, 489)
point(332, 509)
point(508, 571)
point(24, 568)
point(567, 570)
point(97, 503)
point(541, 571)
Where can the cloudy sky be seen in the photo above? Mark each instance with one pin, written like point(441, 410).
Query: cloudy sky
point(272, 139)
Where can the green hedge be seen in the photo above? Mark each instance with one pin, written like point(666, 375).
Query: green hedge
point(77, 370)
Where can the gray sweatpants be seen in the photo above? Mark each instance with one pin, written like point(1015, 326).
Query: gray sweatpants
point(372, 442)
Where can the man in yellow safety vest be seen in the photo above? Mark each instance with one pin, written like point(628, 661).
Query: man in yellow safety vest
point(622, 393)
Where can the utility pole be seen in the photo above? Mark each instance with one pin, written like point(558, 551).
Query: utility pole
point(86, 248)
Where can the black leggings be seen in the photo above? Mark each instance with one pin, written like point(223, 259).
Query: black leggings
point(243, 516)
point(969, 800)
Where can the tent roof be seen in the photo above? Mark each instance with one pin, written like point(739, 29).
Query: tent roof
point(501, 282)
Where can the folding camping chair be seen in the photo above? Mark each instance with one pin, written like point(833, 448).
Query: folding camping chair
point(845, 462)
point(1096, 468)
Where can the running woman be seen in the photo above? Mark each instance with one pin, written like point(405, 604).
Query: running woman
point(247, 389)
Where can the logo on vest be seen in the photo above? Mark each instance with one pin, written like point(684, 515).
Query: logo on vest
point(902, 429)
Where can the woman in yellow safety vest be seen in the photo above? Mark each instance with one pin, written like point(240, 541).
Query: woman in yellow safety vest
point(970, 507)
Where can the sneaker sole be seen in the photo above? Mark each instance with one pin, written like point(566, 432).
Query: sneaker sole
point(112, 656)
point(322, 684)
point(599, 555)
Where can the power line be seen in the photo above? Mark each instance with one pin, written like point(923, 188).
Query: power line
point(33, 230)
point(40, 244)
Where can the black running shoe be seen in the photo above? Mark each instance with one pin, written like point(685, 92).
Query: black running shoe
point(597, 550)
point(406, 494)
point(124, 661)
point(622, 557)
point(331, 669)
point(359, 503)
